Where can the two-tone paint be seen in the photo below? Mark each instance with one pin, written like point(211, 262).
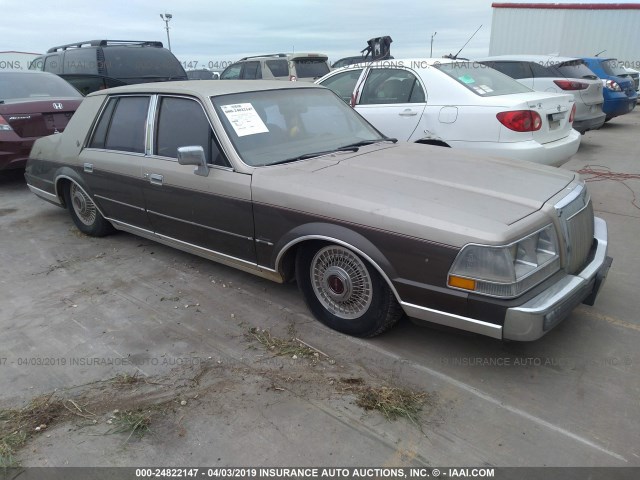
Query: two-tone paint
point(406, 209)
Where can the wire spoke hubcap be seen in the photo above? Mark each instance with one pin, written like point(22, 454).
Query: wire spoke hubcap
point(83, 206)
point(341, 282)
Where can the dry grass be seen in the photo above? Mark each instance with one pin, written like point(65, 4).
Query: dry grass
point(132, 422)
point(392, 402)
point(291, 347)
point(17, 426)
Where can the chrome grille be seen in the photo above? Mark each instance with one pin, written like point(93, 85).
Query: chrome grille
point(576, 218)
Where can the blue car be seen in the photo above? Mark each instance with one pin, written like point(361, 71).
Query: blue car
point(619, 91)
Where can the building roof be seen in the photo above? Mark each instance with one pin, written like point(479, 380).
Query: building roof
point(570, 6)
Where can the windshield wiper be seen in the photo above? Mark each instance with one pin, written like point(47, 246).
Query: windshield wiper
point(364, 143)
point(304, 156)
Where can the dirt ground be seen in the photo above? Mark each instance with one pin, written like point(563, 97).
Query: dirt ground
point(121, 352)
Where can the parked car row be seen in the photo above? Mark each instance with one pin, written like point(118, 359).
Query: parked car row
point(460, 104)
point(479, 105)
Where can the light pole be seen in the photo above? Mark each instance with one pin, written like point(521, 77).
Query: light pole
point(167, 17)
point(430, 53)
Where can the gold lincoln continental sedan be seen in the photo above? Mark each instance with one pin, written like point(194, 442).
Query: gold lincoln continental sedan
point(287, 182)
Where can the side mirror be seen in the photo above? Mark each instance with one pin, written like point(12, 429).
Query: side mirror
point(194, 155)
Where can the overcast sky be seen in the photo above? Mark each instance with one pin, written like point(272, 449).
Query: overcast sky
point(210, 31)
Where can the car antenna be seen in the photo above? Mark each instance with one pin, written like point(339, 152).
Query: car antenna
point(454, 57)
point(600, 52)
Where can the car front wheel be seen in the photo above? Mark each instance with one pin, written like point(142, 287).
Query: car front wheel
point(84, 212)
point(344, 292)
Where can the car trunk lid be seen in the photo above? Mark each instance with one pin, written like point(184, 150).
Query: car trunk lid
point(37, 118)
point(554, 111)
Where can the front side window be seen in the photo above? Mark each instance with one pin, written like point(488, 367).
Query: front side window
point(232, 72)
point(183, 123)
point(343, 84)
point(122, 125)
point(391, 85)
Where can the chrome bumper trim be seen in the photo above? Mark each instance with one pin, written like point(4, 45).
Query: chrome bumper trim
point(452, 320)
point(49, 197)
point(536, 317)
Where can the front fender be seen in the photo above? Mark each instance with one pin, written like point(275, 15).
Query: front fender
point(332, 233)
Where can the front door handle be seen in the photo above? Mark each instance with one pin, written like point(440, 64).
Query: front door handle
point(408, 113)
point(156, 179)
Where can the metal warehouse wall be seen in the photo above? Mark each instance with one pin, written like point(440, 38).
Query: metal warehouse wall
point(579, 32)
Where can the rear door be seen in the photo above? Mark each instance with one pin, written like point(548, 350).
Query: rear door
point(112, 161)
point(393, 100)
point(212, 212)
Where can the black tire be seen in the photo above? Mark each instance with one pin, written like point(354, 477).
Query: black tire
point(344, 292)
point(84, 212)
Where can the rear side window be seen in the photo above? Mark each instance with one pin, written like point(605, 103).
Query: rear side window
point(183, 123)
point(311, 67)
point(279, 68)
point(122, 125)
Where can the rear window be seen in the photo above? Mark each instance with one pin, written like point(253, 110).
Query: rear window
point(14, 85)
point(311, 67)
point(482, 80)
point(140, 63)
point(612, 67)
point(575, 69)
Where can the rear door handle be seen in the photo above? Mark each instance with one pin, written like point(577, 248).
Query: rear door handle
point(408, 113)
point(156, 179)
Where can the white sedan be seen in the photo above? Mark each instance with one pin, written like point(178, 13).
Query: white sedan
point(460, 104)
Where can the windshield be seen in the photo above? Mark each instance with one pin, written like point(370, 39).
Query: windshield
point(613, 67)
point(273, 126)
point(14, 85)
point(481, 79)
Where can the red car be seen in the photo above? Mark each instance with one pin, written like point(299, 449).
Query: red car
point(32, 105)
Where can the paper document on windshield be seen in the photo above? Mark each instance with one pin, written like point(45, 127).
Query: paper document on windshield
point(244, 119)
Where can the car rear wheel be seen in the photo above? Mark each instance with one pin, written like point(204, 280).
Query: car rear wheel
point(84, 212)
point(344, 292)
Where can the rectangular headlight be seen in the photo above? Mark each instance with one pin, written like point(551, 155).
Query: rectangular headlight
point(507, 270)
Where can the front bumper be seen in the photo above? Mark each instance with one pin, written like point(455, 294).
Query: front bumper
point(536, 317)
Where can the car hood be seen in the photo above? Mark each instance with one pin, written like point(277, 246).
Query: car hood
point(429, 192)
